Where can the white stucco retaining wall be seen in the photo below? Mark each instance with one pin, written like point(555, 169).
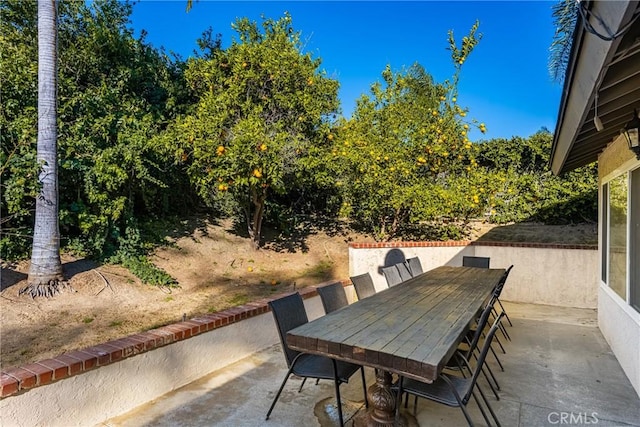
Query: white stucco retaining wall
point(550, 275)
point(97, 395)
point(371, 260)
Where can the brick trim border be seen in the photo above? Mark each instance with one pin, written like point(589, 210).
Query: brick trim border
point(20, 379)
point(457, 243)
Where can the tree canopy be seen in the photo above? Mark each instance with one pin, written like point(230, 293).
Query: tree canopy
point(263, 106)
point(251, 131)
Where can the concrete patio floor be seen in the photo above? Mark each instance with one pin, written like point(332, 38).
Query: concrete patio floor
point(559, 370)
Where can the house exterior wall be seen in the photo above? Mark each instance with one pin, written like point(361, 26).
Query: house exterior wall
point(618, 321)
point(615, 159)
point(620, 325)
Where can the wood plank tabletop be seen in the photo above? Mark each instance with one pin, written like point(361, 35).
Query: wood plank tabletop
point(410, 329)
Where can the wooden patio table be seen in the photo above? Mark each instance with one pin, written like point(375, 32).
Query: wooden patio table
point(411, 329)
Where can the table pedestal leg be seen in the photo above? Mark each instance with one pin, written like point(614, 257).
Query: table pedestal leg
point(382, 405)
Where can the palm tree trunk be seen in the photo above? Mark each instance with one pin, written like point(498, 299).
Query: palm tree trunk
point(45, 273)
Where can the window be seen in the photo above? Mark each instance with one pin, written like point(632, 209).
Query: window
point(604, 228)
point(634, 241)
point(617, 250)
point(620, 230)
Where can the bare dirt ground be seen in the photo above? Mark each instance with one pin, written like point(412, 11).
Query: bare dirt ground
point(215, 269)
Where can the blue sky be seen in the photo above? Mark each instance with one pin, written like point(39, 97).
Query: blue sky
point(504, 83)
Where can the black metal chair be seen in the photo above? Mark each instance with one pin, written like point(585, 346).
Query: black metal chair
point(403, 269)
point(333, 297)
point(469, 347)
point(415, 267)
point(452, 390)
point(392, 275)
point(475, 261)
point(496, 299)
point(363, 284)
point(289, 313)
point(498, 291)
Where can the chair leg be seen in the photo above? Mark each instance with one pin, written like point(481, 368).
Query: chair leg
point(496, 339)
point(491, 385)
point(364, 387)
point(484, 414)
point(505, 313)
point(495, 381)
point(504, 331)
point(304, 380)
point(337, 383)
point(275, 399)
point(486, 402)
point(459, 399)
point(399, 401)
point(466, 415)
point(496, 357)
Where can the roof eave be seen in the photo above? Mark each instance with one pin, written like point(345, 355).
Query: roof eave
point(589, 58)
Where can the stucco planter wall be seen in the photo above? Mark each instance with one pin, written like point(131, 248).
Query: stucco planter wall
point(116, 381)
point(563, 275)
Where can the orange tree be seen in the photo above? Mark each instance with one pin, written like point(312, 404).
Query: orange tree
point(262, 108)
point(404, 157)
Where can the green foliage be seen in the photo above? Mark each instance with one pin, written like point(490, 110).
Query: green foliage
point(251, 130)
point(114, 94)
point(117, 92)
point(519, 185)
point(262, 107)
point(239, 299)
point(18, 125)
point(143, 269)
point(131, 253)
point(404, 156)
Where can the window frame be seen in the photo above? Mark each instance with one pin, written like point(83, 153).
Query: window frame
point(632, 233)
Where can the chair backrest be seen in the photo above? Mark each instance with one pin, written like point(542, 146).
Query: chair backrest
point(403, 269)
point(289, 313)
point(392, 275)
point(415, 267)
point(483, 356)
point(482, 323)
point(498, 290)
point(333, 297)
point(363, 283)
point(475, 261)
